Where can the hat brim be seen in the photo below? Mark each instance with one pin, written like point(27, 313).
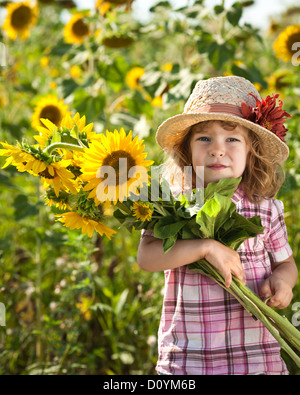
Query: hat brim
point(171, 131)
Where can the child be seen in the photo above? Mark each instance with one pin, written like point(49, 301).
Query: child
point(204, 330)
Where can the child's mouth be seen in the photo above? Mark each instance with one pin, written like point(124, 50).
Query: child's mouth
point(217, 167)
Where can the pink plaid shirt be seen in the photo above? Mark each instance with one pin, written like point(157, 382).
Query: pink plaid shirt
point(203, 329)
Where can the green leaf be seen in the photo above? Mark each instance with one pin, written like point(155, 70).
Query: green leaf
point(75, 132)
point(237, 229)
point(114, 72)
point(191, 230)
point(88, 105)
point(121, 301)
point(289, 185)
point(205, 41)
point(236, 238)
point(213, 214)
point(184, 212)
point(164, 4)
point(169, 243)
point(23, 208)
point(225, 187)
point(137, 104)
point(250, 72)
point(218, 9)
point(234, 14)
point(5, 180)
point(68, 87)
point(56, 137)
point(219, 54)
point(167, 227)
point(61, 48)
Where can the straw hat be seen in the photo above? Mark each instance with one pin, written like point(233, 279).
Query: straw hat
point(220, 98)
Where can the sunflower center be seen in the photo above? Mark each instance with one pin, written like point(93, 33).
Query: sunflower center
point(46, 174)
point(21, 17)
point(143, 211)
point(121, 167)
point(52, 113)
point(80, 28)
point(294, 38)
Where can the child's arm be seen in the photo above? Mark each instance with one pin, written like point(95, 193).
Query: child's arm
point(151, 256)
point(281, 283)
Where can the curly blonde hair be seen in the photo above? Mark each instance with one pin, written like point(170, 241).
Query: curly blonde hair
point(261, 179)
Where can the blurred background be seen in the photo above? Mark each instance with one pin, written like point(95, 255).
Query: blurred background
point(79, 305)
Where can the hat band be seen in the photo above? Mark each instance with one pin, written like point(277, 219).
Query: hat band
point(219, 108)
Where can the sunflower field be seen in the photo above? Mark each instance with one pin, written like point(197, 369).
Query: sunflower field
point(75, 300)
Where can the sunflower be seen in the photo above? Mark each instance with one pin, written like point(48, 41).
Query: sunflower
point(61, 201)
point(76, 30)
point(75, 72)
point(102, 6)
point(59, 204)
point(3, 98)
point(283, 46)
point(21, 16)
point(142, 211)
point(87, 225)
point(168, 67)
point(117, 40)
point(85, 132)
point(53, 174)
point(44, 61)
point(51, 108)
point(133, 76)
point(122, 159)
point(21, 159)
point(119, 2)
point(157, 101)
point(84, 304)
point(279, 80)
point(59, 177)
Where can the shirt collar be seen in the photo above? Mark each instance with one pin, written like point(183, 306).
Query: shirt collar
point(238, 194)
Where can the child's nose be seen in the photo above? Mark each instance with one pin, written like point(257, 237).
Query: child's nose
point(217, 150)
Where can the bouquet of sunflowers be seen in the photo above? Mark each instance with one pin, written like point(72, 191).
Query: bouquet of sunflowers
point(69, 160)
point(87, 175)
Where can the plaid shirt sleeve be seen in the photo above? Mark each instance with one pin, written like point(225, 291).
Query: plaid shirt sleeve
point(276, 242)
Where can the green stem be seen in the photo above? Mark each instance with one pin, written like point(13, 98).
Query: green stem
point(123, 207)
point(255, 306)
point(282, 323)
point(269, 325)
point(68, 146)
point(160, 209)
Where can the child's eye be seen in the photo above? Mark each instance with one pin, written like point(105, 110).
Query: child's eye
point(233, 139)
point(203, 138)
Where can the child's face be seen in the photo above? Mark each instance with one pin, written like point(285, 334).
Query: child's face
point(222, 153)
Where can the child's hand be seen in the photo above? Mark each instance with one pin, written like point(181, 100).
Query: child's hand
point(280, 290)
point(226, 260)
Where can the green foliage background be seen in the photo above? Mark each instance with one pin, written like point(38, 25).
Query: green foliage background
point(46, 271)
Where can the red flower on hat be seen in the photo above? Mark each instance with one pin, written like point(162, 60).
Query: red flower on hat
point(267, 115)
